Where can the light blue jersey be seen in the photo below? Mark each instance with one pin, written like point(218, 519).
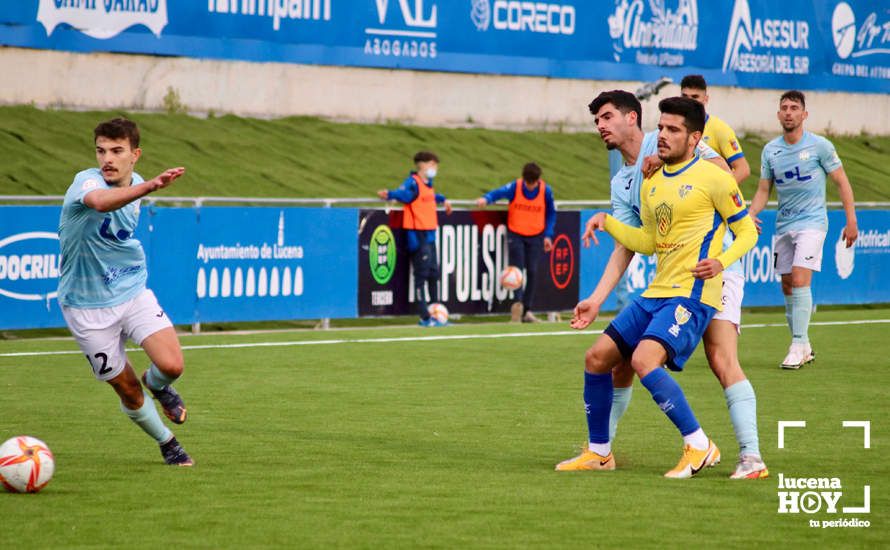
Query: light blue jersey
point(626, 185)
point(798, 173)
point(102, 264)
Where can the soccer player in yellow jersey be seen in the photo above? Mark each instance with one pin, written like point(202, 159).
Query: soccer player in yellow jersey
point(685, 209)
point(718, 134)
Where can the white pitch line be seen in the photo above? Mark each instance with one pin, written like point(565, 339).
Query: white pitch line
point(421, 338)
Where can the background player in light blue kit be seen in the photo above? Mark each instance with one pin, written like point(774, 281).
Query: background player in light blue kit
point(102, 281)
point(796, 163)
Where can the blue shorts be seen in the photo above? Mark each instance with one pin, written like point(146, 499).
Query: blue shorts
point(675, 323)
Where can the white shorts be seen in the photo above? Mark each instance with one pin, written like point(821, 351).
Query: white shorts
point(799, 248)
point(102, 332)
point(733, 292)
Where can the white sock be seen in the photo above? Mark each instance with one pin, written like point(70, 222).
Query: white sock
point(602, 449)
point(697, 440)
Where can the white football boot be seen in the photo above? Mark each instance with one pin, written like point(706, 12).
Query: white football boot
point(799, 354)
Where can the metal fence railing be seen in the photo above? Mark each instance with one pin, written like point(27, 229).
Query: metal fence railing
point(331, 202)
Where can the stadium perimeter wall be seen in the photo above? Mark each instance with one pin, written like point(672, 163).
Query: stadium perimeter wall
point(141, 82)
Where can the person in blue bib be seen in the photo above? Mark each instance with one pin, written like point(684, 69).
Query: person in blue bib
point(796, 164)
point(102, 284)
point(531, 218)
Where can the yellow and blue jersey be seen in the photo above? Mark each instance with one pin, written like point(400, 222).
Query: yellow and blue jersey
point(721, 138)
point(683, 210)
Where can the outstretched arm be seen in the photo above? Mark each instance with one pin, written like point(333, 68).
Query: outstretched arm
point(108, 200)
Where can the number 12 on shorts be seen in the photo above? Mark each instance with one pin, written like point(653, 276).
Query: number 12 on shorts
point(101, 369)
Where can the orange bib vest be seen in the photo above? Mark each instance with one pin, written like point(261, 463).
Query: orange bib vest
point(527, 216)
point(421, 212)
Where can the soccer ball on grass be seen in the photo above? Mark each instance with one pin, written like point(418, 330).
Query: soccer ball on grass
point(26, 464)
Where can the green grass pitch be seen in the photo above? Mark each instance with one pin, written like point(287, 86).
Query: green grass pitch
point(446, 443)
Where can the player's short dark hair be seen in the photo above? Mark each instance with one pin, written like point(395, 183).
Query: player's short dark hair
point(118, 128)
point(692, 111)
point(794, 95)
point(622, 100)
point(694, 81)
point(425, 156)
point(531, 172)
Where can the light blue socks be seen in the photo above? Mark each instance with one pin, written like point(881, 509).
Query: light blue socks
point(620, 402)
point(147, 418)
point(788, 317)
point(801, 309)
point(742, 405)
point(155, 379)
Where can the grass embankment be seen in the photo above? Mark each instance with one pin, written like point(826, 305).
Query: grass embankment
point(41, 150)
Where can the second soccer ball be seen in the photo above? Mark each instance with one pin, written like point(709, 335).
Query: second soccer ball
point(439, 312)
point(511, 278)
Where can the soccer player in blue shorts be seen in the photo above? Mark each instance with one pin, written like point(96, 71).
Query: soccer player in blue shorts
point(617, 114)
point(685, 209)
point(796, 164)
point(102, 284)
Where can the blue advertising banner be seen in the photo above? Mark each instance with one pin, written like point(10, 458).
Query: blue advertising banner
point(819, 44)
point(29, 267)
point(849, 275)
point(204, 264)
point(276, 263)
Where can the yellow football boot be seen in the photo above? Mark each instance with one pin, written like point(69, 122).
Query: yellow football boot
point(587, 460)
point(695, 460)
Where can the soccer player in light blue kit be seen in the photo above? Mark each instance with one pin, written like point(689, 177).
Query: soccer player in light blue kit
point(796, 164)
point(618, 115)
point(102, 285)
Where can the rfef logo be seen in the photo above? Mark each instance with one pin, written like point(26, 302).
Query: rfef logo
point(562, 262)
point(103, 18)
point(29, 266)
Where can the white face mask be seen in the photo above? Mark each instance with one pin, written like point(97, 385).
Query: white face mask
point(430, 173)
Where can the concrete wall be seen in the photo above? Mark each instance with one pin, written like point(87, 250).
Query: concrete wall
point(136, 82)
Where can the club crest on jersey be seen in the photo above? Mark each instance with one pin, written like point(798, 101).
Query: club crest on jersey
point(737, 199)
point(663, 218)
point(681, 316)
point(684, 190)
point(804, 155)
